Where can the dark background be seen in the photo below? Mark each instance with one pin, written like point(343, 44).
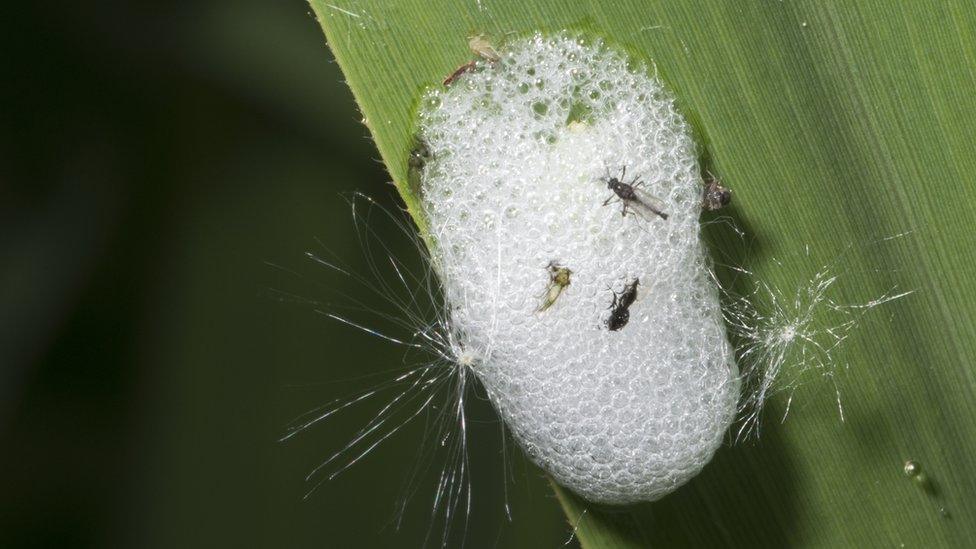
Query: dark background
point(155, 158)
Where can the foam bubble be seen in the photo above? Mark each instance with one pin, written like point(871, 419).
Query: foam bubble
point(516, 180)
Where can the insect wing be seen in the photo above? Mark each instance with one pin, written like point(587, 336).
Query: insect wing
point(647, 205)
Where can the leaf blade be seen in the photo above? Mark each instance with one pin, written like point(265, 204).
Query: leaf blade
point(836, 126)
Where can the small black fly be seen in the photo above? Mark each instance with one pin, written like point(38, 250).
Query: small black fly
point(620, 308)
point(634, 198)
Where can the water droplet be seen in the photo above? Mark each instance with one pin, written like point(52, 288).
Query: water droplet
point(912, 469)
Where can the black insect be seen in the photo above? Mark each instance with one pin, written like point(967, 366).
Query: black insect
point(634, 198)
point(716, 196)
point(620, 308)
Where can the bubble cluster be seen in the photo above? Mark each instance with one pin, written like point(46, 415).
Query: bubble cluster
point(520, 149)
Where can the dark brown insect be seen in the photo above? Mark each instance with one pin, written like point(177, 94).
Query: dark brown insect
point(634, 198)
point(620, 308)
point(716, 196)
point(469, 66)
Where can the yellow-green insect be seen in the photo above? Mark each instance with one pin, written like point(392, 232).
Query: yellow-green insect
point(481, 46)
point(558, 280)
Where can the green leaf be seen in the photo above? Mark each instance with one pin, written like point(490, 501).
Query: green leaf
point(837, 124)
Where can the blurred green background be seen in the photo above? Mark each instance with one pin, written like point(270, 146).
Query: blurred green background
point(155, 158)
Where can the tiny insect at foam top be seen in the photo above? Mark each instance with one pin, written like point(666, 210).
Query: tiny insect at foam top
point(517, 179)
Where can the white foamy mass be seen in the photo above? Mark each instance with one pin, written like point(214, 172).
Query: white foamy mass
point(520, 150)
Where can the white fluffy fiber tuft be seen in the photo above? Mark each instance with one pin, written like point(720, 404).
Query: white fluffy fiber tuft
point(513, 184)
